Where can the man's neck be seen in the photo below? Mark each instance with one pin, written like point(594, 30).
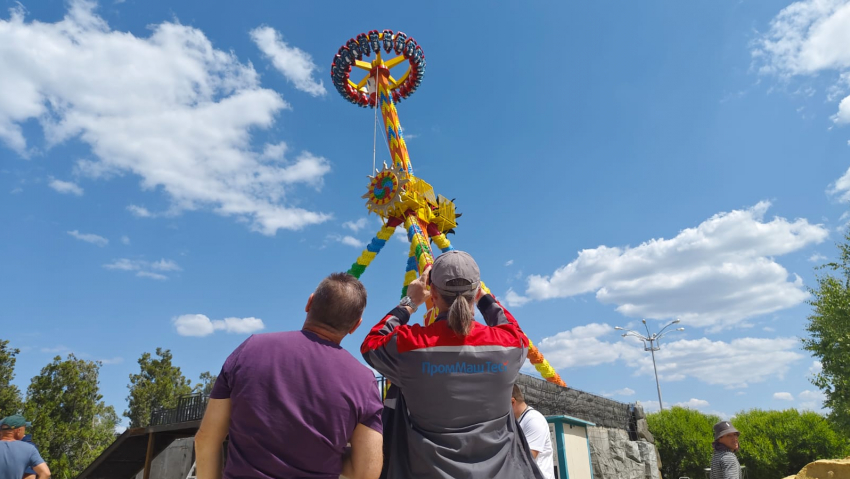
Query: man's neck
point(323, 333)
point(524, 408)
point(7, 438)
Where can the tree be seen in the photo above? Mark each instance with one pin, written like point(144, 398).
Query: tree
point(10, 395)
point(683, 438)
point(829, 340)
point(205, 383)
point(780, 443)
point(71, 423)
point(158, 384)
point(773, 443)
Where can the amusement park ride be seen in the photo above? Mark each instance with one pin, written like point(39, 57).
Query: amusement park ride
point(395, 193)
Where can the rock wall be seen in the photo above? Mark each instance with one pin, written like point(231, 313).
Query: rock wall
point(621, 445)
point(615, 456)
point(551, 399)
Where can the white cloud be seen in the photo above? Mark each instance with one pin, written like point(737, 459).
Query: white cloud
point(816, 367)
point(200, 325)
point(169, 108)
point(66, 187)
point(295, 64)
point(125, 239)
point(649, 406)
point(151, 275)
point(620, 392)
point(512, 298)
point(145, 269)
point(125, 264)
point(734, 364)
point(841, 188)
point(811, 400)
point(356, 225)
point(806, 38)
point(57, 350)
point(769, 329)
point(90, 238)
point(817, 258)
point(113, 360)
point(509, 262)
point(139, 211)
point(165, 265)
point(400, 234)
point(714, 275)
point(783, 396)
point(347, 240)
point(693, 403)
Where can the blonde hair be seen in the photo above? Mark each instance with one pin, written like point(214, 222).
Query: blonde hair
point(461, 307)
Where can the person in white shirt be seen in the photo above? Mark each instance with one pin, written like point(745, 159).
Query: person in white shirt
point(536, 431)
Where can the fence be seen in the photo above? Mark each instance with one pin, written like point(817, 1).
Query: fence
point(189, 408)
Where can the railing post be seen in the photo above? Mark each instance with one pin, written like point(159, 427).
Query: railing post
point(149, 456)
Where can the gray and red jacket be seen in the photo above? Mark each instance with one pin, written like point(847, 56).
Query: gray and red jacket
point(453, 416)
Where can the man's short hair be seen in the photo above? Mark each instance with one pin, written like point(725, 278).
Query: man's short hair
point(338, 302)
point(517, 394)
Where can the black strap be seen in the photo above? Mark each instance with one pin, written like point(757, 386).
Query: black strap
point(528, 408)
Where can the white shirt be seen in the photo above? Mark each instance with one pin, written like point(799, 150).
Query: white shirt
point(536, 431)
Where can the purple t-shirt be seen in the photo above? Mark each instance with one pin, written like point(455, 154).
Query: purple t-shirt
point(295, 401)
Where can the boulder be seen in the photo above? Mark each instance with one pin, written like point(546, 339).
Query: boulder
point(826, 469)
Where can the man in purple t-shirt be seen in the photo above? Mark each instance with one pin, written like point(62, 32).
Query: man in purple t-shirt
point(293, 401)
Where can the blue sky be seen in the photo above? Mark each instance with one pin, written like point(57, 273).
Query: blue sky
point(180, 176)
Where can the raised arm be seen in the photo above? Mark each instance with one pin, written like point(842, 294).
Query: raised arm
point(380, 349)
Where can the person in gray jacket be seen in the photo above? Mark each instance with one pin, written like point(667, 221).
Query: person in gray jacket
point(453, 414)
point(724, 463)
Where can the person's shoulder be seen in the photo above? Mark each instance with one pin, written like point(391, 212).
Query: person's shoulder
point(20, 445)
point(728, 458)
point(535, 419)
point(536, 415)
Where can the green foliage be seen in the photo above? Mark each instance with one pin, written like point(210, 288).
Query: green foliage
point(71, 423)
point(683, 438)
point(158, 384)
point(780, 443)
point(829, 336)
point(773, 443)
point(10, 395)
point(205, 383)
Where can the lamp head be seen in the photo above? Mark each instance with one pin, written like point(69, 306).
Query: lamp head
point(643, 321)
point(677, 321)
point(624, 334)
point(618, 328)
point(680, 329)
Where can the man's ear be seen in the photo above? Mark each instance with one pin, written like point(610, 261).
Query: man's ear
point(359, 322)
point(309, 303)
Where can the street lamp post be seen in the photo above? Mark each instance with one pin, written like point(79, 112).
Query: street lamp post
point(654, 345)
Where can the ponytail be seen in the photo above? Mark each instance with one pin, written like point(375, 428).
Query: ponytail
point(461, 313)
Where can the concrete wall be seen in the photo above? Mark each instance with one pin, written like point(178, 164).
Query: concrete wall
point(174, 462)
